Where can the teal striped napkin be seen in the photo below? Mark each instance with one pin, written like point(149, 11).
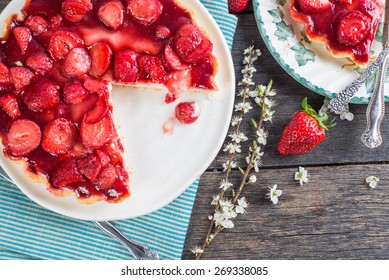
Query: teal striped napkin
point(29, 231)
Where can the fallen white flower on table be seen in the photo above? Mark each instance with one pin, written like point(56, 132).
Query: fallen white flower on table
point(301, 175)
point(274, 194)
point(372, 181)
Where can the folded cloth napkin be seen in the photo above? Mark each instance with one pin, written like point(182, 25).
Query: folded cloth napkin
point(29, 231)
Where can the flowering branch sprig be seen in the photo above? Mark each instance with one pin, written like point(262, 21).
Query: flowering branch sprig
point(228, 208)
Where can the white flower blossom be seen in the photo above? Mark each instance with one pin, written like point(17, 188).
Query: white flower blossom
point(227, 223)
point(274, 194)
point(246, 60)
point(242, 205)
point(215, 200)
point(235, 120)
point(301, 175)
point(257, 151)
point(244, 107)
point(372, 181)
point(249, 50)
point(238, 137)
point(249, 70)
point(241, 92)
point(225, 185)
point(253, 179)
point(256, 163)
point(246, 81)
point(262, 136)
point(197, 250)
point(346, 115)
point(232, 148)
point(226, 203)
point(268, 115)
point(227, 164)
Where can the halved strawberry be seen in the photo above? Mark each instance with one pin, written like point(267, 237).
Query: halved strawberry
point(145, 12)
point(353, 28)
point(76, 63)
point(314, 6)
point(187, 112)
point(62, 41)
point(40, 62)
point(74, 93)
point(96, 135)
point(23, 137)
point(101, 55)
point(59, 136)
point(5, 78)
point(103, 158)
point(111, 14)
point(23, 37)
point(75, 10)
point(36, 24)
point(41, 95)
point(191, 45)
point(90, 167)
point(172, 61)
point(66, 173)
point(55, 22)
point(162, 32)
point(96, 86)
point(98, 112)
point(21, 77)
point(151, 68)
point(106, 178)
point(10, 105)
point(126, 66)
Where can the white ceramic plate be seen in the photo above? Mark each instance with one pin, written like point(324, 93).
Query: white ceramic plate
point(164, 166)
point(309, 63)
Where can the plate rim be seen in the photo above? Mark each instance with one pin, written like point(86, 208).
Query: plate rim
point(290, 70)
point(230, 100)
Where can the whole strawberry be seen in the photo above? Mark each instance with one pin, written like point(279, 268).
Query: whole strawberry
point(237, 6)
point(305, 131)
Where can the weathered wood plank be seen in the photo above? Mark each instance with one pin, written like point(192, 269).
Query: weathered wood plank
point(335, 216)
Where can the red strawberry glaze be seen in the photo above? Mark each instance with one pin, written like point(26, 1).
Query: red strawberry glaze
point(323, 26)
point(94, 136)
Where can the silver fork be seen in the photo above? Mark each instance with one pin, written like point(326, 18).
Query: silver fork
point(137, 250)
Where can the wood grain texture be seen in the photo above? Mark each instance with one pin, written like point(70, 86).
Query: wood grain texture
point(335, 216)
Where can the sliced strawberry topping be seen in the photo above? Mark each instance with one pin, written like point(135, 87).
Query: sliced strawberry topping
point(62, 42)
point(111, 14)
point(23, 37)
point(41, 95)
point(21, 77)
point(74, 93)
point(96, 135)
point(10, 105)
point(5, 78)
point(187, 112)
point(76, 63)
point(151, 68)
point(59, 136)
point(314, 6)
point(162, 32)
point(353, 28)
point(145, 12)
point(96, 86)
point(172, 61)
point(90, 167)
point(40, 62)
point(191, 45)
point(170, 98)
point(55, 22)
point(24, 136)
point(36, 24)
point(103, 158)
point(126, 66)
point(66, 173)
point(106, 178)
point(101, 55)
point(99, 112)
point(75, 10)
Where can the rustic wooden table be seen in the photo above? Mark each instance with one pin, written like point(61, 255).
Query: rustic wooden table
point(335, 216)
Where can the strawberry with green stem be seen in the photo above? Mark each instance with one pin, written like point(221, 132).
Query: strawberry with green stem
point(305, 131)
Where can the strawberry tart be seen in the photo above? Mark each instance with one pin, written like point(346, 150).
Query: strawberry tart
point(58, 63)
point(347, 27)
